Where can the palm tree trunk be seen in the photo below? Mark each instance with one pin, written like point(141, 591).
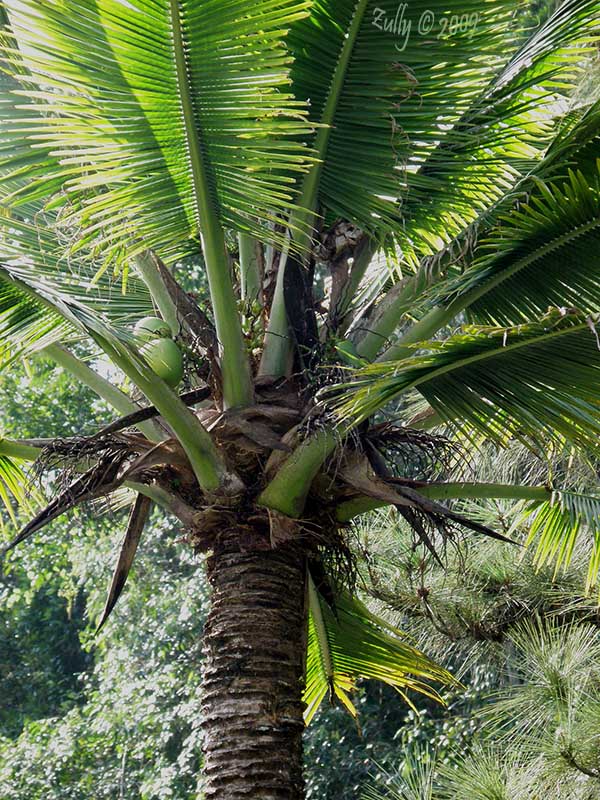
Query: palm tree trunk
point(254, 664)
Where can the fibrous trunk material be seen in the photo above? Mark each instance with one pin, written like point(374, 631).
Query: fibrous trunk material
point(254, 664)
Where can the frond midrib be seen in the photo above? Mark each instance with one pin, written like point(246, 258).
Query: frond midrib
point(471, 296)
point(310, 185)
point(237, 387)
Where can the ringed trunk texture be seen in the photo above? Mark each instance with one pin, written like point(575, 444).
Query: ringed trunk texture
point(254, 668)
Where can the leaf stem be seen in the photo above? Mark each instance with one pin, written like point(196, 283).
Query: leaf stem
point(393, 309)
point(19, 449)
point(147, 266)
point(440, 316)
point(302, 218)
point(235, 365)
point(450, 491)
point(314, 605)
point(208, 467)
point(278, 344)
point(288, 490)
point(362, 259)
point(277, 349)
point(250, 268)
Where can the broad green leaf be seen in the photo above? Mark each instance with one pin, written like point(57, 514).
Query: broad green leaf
point(501, 135)
point(17, 493)
point(32, 253)
point(386, 88)
point(544, 253)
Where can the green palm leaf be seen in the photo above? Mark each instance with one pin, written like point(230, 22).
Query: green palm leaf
point(383, 97)
point(25, 325)
point(501, 136)
point(491, 248)
point(30, 253)
point(43, 302)
point(16, 491)
point(22, 161)
point(163, 116)
point(557, 525)
point(537, 379)
point(351, 643)
point(544, 254)
point(574, 146)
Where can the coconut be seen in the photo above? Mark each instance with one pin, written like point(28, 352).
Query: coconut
point(164, 359)
point(151, 328)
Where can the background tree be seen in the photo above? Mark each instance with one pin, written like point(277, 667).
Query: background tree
point(535, 734)
point(111, 716)
point(354, 207)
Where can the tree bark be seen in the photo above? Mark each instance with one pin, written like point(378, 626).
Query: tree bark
point(254, 668)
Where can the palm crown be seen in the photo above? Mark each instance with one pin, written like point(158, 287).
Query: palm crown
point(395, 206)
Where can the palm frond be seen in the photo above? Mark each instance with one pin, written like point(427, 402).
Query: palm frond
point(544, 254)
point(576, 144)
point(160, 116)
point(32, 255)
point(501, 136)
point(50, 297)
point(135, 527)
point(25, 325)
point(32, 292)
point(22, 161)
point(537, 379)
point(461, 270)
point(99, 480)
point(395, 94)
point(17, 493)
point(349, 642)
point(556, 526)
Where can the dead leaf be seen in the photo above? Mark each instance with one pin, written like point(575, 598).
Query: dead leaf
point(135, 527)
point(102, 478)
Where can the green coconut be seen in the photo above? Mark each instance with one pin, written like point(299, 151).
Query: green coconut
point(151, 328)
point(165, 360)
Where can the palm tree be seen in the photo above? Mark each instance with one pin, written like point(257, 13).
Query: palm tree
point(360, 181)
